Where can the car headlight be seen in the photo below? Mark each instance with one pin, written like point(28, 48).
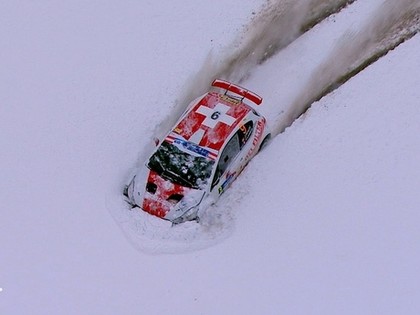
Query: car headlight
point(188, 215)
point(128, 191)
point(187, 208)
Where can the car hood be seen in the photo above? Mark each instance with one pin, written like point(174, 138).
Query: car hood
point(163, 198)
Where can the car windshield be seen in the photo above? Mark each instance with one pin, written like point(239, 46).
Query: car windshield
point(180, 167)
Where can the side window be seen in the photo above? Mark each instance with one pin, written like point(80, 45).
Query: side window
point(244, 133)
point(229, 153)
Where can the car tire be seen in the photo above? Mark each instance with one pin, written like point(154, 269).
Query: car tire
point(264, 142)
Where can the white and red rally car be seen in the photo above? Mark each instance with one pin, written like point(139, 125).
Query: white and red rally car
point(200, 157)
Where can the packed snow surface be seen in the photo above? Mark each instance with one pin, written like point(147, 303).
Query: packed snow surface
point(324, 221)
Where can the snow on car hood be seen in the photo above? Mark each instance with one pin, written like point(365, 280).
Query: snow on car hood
point(161, 196)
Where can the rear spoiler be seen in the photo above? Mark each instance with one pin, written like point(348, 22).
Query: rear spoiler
point(238, 90)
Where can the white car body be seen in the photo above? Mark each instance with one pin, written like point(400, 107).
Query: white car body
point(201, 156)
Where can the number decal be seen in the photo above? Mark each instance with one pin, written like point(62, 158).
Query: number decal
point(215, 115)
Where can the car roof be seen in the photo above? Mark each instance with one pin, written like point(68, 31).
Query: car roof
point(209, 122)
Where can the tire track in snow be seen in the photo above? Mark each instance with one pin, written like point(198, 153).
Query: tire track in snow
point(394, 23)
point(278, 24)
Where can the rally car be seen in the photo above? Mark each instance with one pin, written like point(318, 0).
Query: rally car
point(200, 157)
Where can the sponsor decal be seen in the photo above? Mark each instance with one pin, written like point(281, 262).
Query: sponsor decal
point(258, 133)
point(192, 147)
point(230, 100)
point(229, 179)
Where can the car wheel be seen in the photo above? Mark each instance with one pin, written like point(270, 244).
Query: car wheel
point(265, 142)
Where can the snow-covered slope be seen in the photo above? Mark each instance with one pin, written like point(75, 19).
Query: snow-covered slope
point(340, 235)
point(323, 221)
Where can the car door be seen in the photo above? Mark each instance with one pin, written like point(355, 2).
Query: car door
point(232, 160)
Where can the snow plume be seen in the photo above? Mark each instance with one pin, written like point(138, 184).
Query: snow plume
point(382, 33)
point(278, 24)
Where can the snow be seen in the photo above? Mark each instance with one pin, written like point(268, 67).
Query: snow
point(324, 220)
point(344, 223)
